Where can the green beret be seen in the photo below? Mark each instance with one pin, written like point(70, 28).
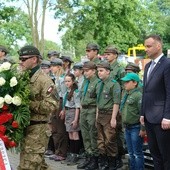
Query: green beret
point(78, 66)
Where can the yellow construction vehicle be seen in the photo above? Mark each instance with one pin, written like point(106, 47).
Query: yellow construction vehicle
point(133, 52)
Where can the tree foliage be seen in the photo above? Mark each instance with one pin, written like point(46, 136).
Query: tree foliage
point(123, 23)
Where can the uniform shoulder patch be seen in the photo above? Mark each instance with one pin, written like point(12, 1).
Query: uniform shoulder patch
point(50, 89)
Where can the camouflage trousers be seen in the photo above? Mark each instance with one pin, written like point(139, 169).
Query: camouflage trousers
point(33, 148)
point(107, 142)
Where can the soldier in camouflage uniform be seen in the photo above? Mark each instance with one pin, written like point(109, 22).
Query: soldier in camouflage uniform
point(92, 51)
point(88, 117)
point(108, 100)
point(117, 72)
point(42, 103)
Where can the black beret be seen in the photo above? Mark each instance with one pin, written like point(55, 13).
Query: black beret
point(92, 46)
point(29, 50)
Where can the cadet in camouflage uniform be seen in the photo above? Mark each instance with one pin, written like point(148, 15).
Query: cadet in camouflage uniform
point(108, 100)
point(117, 72)
point(92, 51)
point(88, 117)
point(42, 103)
point(134, 132)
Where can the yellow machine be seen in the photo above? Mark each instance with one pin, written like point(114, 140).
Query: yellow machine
point(132, 52)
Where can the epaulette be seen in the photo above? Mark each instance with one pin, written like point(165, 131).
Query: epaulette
point(76, 90)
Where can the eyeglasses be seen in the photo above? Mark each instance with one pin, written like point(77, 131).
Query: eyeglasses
point(25, 58)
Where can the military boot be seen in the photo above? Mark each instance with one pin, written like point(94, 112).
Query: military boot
point(103, 163)
point(112, 163)
point(84, 163)
point(93, 165)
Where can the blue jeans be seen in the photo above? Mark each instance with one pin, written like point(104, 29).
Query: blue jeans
point(134, 145)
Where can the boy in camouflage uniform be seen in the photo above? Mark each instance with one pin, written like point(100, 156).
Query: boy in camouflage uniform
point(42, 103)
point(108, 100)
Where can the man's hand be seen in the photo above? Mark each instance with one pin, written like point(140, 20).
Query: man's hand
point(142, 133)
point(142, 121)
point(165, 124)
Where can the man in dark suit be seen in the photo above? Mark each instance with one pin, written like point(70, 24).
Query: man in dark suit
point(155, 112)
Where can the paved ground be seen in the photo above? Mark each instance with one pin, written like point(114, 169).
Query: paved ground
point(14, 161)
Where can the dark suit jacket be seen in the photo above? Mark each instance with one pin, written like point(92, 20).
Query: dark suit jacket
point(156, 92)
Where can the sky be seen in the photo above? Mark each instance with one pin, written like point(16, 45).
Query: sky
point(51, 25)
point(51, 29)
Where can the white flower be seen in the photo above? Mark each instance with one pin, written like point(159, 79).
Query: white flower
point(13, 82)
point(1, 102)
point(16, 100)
point(8, 99)
point(2, 81)
point(5, 66)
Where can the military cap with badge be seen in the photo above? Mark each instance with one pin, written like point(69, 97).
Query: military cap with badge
point(56, 62)
point(104, 64)
point(29, 51)
point(3, 49)
point(92, 46)
point(89, 65)
point(112, 49)
point(45, 64)
point(53, 53)
point(78, 65)
point(132, 67)
point(66, 58)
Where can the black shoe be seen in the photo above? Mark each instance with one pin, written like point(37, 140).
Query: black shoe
point(119, 163)
point(83, 164)
point(112, 163)
point(68, 158)
point(103, 162)
point(73, 160)
point(93, 165)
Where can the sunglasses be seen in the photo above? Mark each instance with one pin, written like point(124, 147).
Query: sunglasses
point(25, 58)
